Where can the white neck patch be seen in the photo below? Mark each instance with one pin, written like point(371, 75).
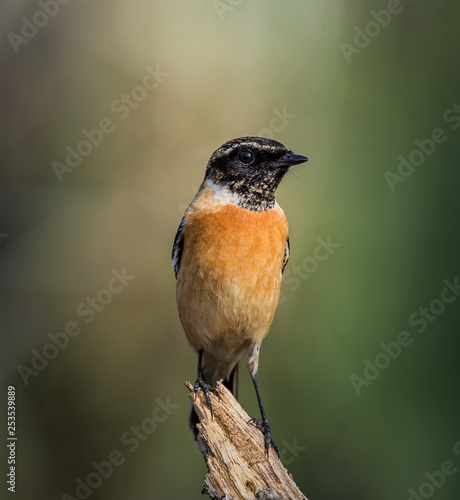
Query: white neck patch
point(223, 194)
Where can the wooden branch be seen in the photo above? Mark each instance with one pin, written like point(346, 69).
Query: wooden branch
point(233, 449)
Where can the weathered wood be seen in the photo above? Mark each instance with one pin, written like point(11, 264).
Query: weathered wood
point(233, 449)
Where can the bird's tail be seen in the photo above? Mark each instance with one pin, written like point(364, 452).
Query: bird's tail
point(231, 383)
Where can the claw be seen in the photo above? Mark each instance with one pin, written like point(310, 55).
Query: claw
point(206, 388)
point(264, 428)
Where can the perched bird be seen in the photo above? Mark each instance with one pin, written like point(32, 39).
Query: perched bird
point(229, 253)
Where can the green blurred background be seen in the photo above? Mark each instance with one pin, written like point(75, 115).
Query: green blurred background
point(228, 69)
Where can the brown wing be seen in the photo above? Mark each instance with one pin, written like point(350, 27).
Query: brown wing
point(178, 246)
point(286, 254)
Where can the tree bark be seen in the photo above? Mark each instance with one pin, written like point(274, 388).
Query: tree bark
point(233, 449)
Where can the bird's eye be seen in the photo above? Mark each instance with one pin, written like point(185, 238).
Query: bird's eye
point(246, 156)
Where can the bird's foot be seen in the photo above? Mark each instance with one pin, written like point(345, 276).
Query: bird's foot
point(264, 428)
point(207, 389)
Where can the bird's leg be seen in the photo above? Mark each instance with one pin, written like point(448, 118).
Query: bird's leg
point(263, 426)
point(201, 384)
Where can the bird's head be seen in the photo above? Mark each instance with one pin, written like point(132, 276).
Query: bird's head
point(250, 169)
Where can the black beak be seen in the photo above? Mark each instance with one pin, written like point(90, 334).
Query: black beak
point(291, 159)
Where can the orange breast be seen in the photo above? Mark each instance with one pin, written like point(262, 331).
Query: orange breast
point(229, 279)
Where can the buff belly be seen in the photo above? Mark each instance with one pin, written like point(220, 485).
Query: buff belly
point(229, 279)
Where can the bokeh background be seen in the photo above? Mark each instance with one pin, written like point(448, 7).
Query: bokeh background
point(226, 69)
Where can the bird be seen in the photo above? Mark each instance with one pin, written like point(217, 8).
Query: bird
point(229, 253)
